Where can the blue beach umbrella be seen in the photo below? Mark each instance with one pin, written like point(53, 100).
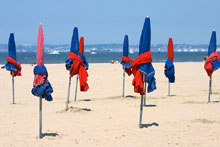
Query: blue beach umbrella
point(11, 53)
point(146, 69)
point(12, 65)
point(144, 46)
point(126, 64)
point(12, 47)
point(74, 48)
point(212, 43)
point(126, 61)
point(145, 40)
point(75, 41)
point(213, 61)
point(126, 46)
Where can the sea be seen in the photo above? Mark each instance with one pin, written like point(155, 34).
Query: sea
point(102, 57)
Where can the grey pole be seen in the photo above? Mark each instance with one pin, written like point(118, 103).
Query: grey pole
point(123, 91)
point(40, 117)
point(168, 88)
point(13, 92)
point(210, 84)
point(141, 108)
point(68, 94)
point(76, 87)
point(145, 89)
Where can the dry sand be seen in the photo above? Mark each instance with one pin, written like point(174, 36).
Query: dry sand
point(101, 117)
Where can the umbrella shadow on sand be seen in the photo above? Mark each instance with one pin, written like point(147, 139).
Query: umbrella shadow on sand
point(149, 125)
point(130, 96)
point(171, 95)
point(150, 105)
point(86, 100)
point(49, 135)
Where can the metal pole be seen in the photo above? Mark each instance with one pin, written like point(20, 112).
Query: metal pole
point(13, 92)
point(168, 88)
point(210, 82)
point(76, 87)
point(68, 94)
point(145, 89)
point(141, 108)
point(40, 118)
point(123, 91)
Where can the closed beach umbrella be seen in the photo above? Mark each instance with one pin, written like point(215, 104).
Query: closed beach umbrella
point(41, 86)
point(12, 65)
point(126, 46)
point(81, 45)
point(77, 65)
point(212, 63)
point(74, 48)
point(81, 52)
point(142, 68)
point(125, 61)
point(169, 66)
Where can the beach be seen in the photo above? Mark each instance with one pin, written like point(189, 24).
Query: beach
point(101, 117)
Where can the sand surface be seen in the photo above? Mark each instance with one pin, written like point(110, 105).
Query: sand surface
point(101, 117)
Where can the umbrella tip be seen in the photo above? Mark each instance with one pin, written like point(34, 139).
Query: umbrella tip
point(147, 17)
point(40, 24)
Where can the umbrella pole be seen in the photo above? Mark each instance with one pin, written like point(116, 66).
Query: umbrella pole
point(168, 88)
point(145, 89)
point(141, 108)
point(68, 94)
point(76, 87)
point(123, 91)
point(40, 117)
point(210, 85)
point(13, 92)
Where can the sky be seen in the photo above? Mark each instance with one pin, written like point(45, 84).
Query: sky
point(107, 21)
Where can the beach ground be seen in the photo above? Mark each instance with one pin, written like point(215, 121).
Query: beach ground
point(101, 117)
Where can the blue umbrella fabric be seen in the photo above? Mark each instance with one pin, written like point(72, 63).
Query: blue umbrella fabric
point(125, 60)
point(142, 64)
point(213, 61)
point(74, 48)
point(12, 65)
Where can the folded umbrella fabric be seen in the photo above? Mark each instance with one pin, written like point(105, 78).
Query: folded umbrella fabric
point(146, 59)
point(169, 71)
point(79, 67)
point(12, 65)
point(42, 86)
point(126, 63)
point(150, 79)
point(212, 63)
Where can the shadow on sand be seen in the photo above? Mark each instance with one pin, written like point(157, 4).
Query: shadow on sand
point(150, 105)
point(86, 100)
point(130, 96)
point(215, 101)
point(149, 125)
point(49, 134)
point(171, 95)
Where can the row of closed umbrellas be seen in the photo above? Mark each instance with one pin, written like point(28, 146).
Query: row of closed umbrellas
point(141, 67)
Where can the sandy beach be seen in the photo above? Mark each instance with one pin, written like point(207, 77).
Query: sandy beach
point(101, 117)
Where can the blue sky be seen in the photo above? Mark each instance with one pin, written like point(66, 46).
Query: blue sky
point(101, 21)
